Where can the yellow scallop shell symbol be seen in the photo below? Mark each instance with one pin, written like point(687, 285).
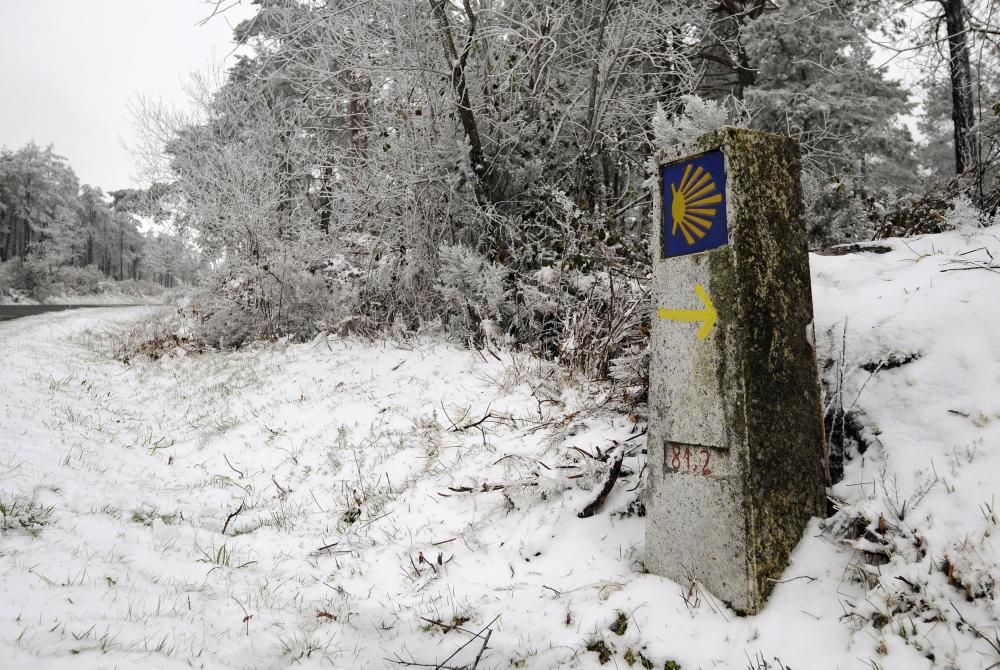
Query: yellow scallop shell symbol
point(692, 204)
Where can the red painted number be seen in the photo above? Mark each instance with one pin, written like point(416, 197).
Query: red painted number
point(689, 461)
point(705, 471)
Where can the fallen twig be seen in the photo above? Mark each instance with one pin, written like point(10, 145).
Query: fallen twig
point(282, 491)
point(585, 453)
point(489, 415)
point(972, 265)
point(443, 665)
point(638, 482)
point(486, 641)
point(414, 664)
point(792, 579)
point(485, 488)
point(316, 501)
point(448, 627)
point(993, 643)
point(479, 634)
point(239, 472)
point(526, 458)
point(609, 483)
point(454, 424)
point(232, 516)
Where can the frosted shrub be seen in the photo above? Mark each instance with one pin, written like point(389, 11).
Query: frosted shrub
point(698, 116)
point(941, 207)
point(282, 301)
point(14, 276)
point(630, 371)
point(140, 288)
point(582, 319)
point(473, 289)
point(44, 279)
point(70, 280)
point(835, 213)
point(693, 118)
point(396, 294)
point(963, 213)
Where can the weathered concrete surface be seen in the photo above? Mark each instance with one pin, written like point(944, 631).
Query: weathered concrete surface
point(735, 435)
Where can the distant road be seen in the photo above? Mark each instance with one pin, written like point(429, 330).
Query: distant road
point(8, 312)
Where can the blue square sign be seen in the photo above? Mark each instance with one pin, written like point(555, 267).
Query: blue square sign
point(694, 205)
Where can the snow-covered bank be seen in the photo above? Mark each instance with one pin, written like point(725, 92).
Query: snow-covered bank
point(915, 333)
point(14, 297)
point(110, 298)
point(342, 504)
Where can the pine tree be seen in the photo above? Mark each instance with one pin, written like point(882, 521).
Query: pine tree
point(815, 81)
point(37, 199)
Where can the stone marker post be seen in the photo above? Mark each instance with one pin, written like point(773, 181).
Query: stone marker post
point(735, 432)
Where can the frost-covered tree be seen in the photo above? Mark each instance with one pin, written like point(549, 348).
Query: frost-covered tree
point(361, 147)
point(955, 41)
point(37, 196)
point(815, 81)
point(56, 234)
point(980, 182)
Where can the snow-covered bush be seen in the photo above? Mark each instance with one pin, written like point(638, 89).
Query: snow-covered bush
point(630, 371)
point(695, 117)
point(584, 320)
point(43, 279)
point(474, 291)
point(70, 280)
point(939, 208)
point(139, 288)
point(835, 211)
point(238, 309)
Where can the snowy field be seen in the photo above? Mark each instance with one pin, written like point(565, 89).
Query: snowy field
point(355, 505)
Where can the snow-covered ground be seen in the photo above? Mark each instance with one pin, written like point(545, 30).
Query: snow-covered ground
point(15, 297)
point(352, 505)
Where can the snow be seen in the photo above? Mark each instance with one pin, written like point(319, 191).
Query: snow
point(108, 297)
point(111, 297)
point(323, 504)
point(13, 296)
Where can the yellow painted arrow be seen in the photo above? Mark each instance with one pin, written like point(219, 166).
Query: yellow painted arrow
point(708, 315)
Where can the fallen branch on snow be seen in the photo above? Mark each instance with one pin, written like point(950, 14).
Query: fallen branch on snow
point(616, 467)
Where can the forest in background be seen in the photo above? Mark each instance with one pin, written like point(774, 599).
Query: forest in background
point(481, 167)
point(62, 238)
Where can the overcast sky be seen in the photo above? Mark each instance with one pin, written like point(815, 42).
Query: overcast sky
point(68, 69)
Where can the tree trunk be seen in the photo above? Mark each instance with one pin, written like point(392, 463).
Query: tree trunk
point(460, 86)
point(728, 67)
point(5, 236)
point(326, 199)
point(962, 115)
point(358, 88)
point(25, 238)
